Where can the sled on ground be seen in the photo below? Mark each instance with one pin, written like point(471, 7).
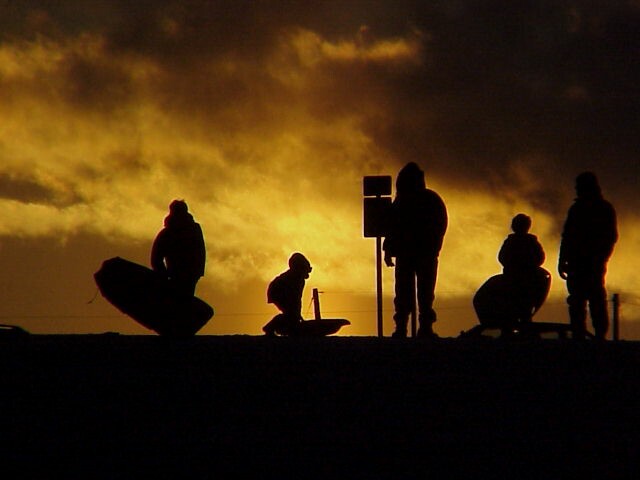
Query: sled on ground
point(147, 297)
point(313, 328)
point(322, 327)
point(495, 301)
point(318, 327)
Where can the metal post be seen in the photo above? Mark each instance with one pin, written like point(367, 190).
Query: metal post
point(379, 282)
point(616, 316)
point(316, 304)
point(376, 206)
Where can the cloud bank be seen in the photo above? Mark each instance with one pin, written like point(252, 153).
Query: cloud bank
point(265, 119)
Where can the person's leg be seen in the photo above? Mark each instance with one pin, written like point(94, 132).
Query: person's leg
point(405, 291)
point(426, 274)
point(598, 304)
point(184, 287)
point(270, 328)
point(282, 324)
point(577, 301)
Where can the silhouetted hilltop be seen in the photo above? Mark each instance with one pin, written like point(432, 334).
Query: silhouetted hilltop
point(361, 407)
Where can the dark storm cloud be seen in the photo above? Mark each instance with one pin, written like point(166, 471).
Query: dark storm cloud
point(24, 190)
point(544, 87)
point(507, 81)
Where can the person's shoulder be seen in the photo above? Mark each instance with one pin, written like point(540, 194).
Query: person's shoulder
point(432, 196)
point(286, 276)
point(164, 231)
point(607, 204)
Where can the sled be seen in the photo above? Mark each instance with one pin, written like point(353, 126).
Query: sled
point(147, 297)
point(312, 328)
point(323, 327)
point(494, 301)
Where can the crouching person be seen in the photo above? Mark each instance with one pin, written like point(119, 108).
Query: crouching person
point(285, 292)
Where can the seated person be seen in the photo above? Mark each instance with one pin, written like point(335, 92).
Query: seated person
point(522, 256)
point(285, 292)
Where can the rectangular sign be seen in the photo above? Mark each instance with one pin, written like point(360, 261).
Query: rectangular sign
point(376, 185)
point(376, 216)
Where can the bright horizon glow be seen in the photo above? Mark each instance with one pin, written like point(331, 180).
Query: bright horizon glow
point(268, 142)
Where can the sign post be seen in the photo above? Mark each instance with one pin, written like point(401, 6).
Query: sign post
point(616, 316)
point(376, 207)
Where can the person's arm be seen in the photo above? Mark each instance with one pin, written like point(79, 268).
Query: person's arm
point(202, 252)
point(566, 244)
point(157, 255)
point(502, 254)
point(563, 264)
point(388, 245)
point(388, 257)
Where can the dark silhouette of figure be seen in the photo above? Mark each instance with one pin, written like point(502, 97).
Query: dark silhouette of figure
point(418, 222)
point(509, 300)
point(285, 292)
point(178, 251)
point(589, 235)
point(521, 256)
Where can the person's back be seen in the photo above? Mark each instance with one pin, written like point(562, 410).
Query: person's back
point(419, 223)
point(522, 255)
point(178, 251)
point(590, 231)
point(418, 217)
point(521, 252)
point(285, 292)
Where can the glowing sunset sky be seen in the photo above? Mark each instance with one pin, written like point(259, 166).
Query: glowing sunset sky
point(265, 116)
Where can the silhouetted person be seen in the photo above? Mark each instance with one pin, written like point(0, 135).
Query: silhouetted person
point(589, 235)
point(178, 251)
point(418, 223)
point(285, 292)
point(521, 255)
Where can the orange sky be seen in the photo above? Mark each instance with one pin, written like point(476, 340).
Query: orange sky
point(265, 123)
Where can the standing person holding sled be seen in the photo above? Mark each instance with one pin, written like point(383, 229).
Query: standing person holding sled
point(417, 226)
point(178, 251)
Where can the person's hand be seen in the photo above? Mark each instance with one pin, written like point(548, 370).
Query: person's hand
point(388, 260)
point(563, 268)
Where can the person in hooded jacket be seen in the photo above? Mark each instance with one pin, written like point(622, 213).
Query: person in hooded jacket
point(285, 292)
point(178, 251)
point(588, 238)
point(418, 222)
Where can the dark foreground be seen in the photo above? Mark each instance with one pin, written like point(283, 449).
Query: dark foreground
point(127, 406)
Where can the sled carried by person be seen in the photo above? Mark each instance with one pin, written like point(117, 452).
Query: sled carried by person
point(147, 297)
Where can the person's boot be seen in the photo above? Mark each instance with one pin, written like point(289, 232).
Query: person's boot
point(401, 329)
point(269, 331)
point(400, 332)
point(426, 331)
point(426, 321)
point(601, 334)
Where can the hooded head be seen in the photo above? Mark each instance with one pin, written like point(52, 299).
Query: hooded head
point(178, 207)
point(178, 214)
point(410, 179)
point(299, 264)
point(587, 185)
point(521, 223)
